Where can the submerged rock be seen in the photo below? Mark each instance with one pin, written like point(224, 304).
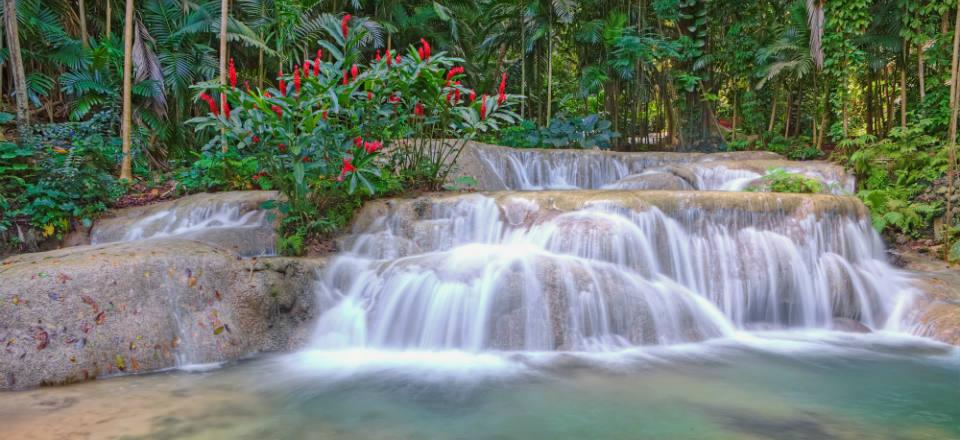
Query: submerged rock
point(83, 312)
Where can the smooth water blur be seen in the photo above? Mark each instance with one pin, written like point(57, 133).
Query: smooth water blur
point(797, 385)
point(477, 272)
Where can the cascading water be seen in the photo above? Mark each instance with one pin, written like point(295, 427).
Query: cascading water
point(232, 220)
point(606, 270)
point(528, 170)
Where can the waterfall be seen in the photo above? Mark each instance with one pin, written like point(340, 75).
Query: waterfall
point(603, 270)
point(535, 169)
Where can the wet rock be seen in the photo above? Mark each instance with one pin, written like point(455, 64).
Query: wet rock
point(71, 314)
point(652, 180)
point(849, 325)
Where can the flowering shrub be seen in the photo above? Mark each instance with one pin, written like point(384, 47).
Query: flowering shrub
point(349, 120)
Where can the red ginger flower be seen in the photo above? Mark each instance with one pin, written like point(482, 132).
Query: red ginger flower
point(344, 25)
point(354, 71)
point(232, 73)
point(418, 109)
point(256, 139)
point(357, 141)
point(369, 96)
point(282, 84)
point(296, 80)
point(282, 148)
point(316, 62)
point(483, 107)
point(276, 109)
point(324, 115)
point(346, 168)
point(372, 147)
point(210, 103)
point(397, 60)
point(456, 96)
point(225, 104)
point(473, 96)
point(421, 53)
point(378, 58)
point(503, 84)
point(345, 80)
point(426, 49)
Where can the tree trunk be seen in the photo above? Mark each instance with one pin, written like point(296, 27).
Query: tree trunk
point(224, 10)
point(921, 75)
point(549, 69)
point(903, 86)
point(786, 119)
point(126, 170)
point(17, 74)
point(83, 24)
point(773, 111)
point(952, 132)
point(108, 22)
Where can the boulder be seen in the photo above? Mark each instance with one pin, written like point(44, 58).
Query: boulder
point(935, 313)
point(79, 313)
point(652, 180)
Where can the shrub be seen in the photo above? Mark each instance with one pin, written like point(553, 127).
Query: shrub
point(894, 172)
point(779, 180)
point(337, 128)
point(562, 132)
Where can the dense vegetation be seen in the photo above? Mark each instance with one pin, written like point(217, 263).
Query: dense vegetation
point(868, 83)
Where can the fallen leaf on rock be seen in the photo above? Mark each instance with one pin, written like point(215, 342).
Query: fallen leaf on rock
point(63, 278)
point(40, 335)
point(134, 364)
point(85, 327)
point(119, 363)
point(16, 300)
point(101, 317)
point(218, 330)
point(192, 281)
point(216, 294)
point(87, 300)
point(133, 346)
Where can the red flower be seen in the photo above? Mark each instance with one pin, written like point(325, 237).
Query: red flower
point(324, 115)
point(282, 148)
point(296, 79)
point(418, 109)
point(316, 63)
point(276, 109)
point(421, 53)
point(454, 72)
point(449, 95)
point(483, 107)
point(369, 96)
point(345, 80)
point(347, 167)
point(426, 48)
point(306, 159)
point(397, 60)
point(344, 25)
point(503, 84)
point(210, 103)
point(394, 99)
point(283, 84)
point(378, 58)
point(246, 84)
point(354, 71)
point(225, 104)
point(372, 147)
point(473, 96)
point(389, 58)
point(232, 73)
point(256, 139)
point(456, 96)
point(501, 99)
point(357, 141)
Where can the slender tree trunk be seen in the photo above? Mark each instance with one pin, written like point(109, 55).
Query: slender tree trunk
point(952, 132)
point(82, 12)
point(108, 21)
point(126, 170)
point(549, 69)
point(17, 74)
point(773, 111)
point(921, 75)
point(903, 86)
point(2, 65)
point(788, 114)
point(224, 12)
point(523, 62)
